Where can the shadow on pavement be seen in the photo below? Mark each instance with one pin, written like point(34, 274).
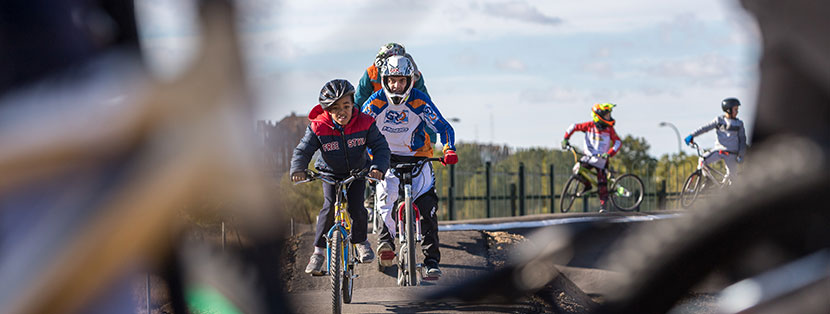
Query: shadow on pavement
point(444, 307)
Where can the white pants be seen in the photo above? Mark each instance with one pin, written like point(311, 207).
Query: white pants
point(387, 192)
point(731, 161)
point(595, 161)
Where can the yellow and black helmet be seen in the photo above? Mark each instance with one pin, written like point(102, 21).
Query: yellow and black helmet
point(599, 110)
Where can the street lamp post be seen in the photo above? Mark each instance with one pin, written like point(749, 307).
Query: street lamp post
point(675, 132)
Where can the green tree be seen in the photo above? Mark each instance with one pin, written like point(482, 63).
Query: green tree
point(633, 156)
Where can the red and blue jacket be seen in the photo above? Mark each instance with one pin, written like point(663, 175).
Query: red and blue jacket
point(342, 148)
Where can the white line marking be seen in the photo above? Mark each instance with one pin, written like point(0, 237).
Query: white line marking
point(552, 222)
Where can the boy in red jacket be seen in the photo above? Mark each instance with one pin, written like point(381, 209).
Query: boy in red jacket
point(343, 135)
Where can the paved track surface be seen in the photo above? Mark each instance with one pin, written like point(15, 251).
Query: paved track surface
point(464, 255)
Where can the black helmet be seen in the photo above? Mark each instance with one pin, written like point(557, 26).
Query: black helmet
point(728, 103)
point(334, 90)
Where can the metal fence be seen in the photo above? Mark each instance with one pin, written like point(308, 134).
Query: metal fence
point(491, 191)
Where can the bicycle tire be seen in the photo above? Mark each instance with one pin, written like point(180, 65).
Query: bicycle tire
point(691, 188)
point(569, 192)
point(411, 273)
point(334, 272)
point(348, 279)
point(376, 220)
point(631, 196)
point(402, 266)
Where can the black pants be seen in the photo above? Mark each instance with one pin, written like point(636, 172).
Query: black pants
point(356, 210)
point(428, 206)
point(602, 183)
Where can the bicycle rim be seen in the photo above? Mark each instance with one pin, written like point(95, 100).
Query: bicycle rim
point(335, 261)
point(402, 266)
point(348, 284)
point(627, 192)
point(572, 187)
point(376, 220)
point(691, 188)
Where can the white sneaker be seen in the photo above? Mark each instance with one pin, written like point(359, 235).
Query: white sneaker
point(364, 252)
point(315, 265)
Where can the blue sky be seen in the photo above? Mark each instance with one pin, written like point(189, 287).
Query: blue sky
point(514, 72)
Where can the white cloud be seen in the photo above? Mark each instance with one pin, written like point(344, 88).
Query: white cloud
point(551, 96)
point(698, 69)
point(514, 65)
point(293, 47)
point(516, 10)
point(600, 68)
point(602, 52)
point(683, 27)
point(467, 57)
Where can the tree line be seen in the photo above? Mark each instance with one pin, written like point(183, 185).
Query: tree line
point(305, 200)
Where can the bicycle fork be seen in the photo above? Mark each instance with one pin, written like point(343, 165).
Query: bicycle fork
point(409, 214)
point(408, 209)
point(346, 247)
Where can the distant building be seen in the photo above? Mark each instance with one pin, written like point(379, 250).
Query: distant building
point(279, 140)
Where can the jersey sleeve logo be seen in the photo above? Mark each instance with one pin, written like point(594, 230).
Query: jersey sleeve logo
point(430, 113)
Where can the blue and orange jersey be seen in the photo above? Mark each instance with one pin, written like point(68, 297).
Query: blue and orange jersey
point(342, 148)
point(405, 125)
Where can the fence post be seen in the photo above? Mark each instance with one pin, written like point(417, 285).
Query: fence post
point(488, 185)
point(521, 189)
point(585, 203)
point(552, 190)
point(661, 195)
point(512, 199)
point(451, 194)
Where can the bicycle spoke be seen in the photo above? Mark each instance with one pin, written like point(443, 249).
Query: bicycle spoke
point(627, 192)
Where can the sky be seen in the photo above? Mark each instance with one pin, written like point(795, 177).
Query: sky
point(514, 72)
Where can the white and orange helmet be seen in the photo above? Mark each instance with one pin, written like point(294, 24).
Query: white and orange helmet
point(397, 66)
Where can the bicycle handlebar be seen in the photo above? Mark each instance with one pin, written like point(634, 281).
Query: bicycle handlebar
point(697, 147)
point(312, 175)
point(573, 149)
point(416, 166)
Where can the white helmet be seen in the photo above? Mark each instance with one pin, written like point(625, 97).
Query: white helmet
point(398, 66)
